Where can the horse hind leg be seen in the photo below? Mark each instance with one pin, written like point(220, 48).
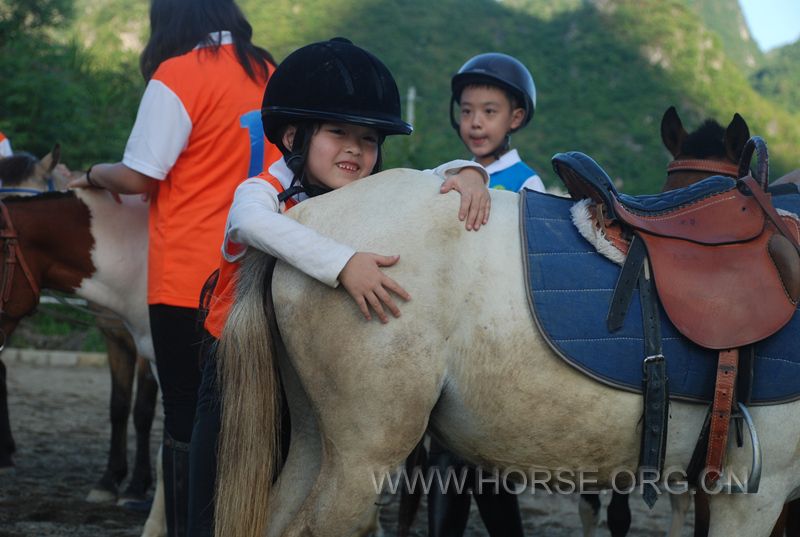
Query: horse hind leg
point(135, 494)
point(122, 366)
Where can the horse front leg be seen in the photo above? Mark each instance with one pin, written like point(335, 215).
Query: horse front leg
point(144, 410)
point(122, 365)
point(7, 445)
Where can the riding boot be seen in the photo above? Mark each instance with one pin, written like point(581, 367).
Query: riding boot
point(448, 511)
point(176, 490)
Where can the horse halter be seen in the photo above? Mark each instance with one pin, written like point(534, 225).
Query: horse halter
point(718, 167)
point(12, 256)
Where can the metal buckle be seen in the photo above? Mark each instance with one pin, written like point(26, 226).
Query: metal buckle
point(651, 359)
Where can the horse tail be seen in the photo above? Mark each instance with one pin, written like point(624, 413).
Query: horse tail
point(249, 451)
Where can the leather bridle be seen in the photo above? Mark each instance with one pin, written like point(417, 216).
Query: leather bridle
point(717, 167)
point(12, 257)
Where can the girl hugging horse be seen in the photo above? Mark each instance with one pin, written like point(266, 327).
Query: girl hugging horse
point(328, 108)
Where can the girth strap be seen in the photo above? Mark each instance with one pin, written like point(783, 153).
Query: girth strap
point(721, 414)
point(655, 390)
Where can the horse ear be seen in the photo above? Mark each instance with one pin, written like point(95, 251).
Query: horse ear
point(736, 136)
point(672, 132)
point(56, 152)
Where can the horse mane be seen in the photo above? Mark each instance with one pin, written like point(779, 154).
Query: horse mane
point(16, 168)
point(706, 141)
point(39, 197)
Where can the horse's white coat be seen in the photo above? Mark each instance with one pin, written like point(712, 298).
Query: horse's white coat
point(120, 284)
point(120, 258)
point(465, 354)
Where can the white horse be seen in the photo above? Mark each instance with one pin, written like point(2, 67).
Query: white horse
point(465, 360)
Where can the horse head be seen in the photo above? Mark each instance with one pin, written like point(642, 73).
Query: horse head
point(24, 174)
point(709, 150)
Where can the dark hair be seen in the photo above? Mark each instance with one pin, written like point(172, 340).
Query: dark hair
point(177, 26)
point(297, 156)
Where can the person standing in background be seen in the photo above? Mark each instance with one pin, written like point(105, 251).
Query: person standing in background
point(197, 135)
point(5, 146)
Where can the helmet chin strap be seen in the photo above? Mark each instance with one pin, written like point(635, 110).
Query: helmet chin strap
point(301, 185)
point(503, 148)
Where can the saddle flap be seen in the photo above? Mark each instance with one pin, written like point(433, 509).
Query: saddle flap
point(720, 297)
point(721, 218)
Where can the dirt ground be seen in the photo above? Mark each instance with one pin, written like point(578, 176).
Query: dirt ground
point(59, 417)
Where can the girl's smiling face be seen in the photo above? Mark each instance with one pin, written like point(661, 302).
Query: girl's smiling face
point(340, 153)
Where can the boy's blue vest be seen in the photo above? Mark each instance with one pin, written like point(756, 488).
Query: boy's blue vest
point(512, 177)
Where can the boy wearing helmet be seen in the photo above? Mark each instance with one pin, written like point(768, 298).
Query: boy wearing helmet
point(496, 96)
point(328, 107)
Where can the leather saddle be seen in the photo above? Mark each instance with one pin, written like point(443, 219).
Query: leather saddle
point(725, 267)
point(724, 274)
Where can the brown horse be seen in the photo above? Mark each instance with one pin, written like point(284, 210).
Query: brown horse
point(23, 174)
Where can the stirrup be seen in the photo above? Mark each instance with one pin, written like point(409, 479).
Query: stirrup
point(754, 478)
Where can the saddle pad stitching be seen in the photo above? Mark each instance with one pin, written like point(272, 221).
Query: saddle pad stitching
point(626, 338)
point(678, 212)
point(761, 356)
point(544, 254)
point(597, 290)
point(548, 219)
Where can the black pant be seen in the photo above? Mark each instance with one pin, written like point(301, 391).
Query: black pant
point(448, 510)
point(203, 452)
point(177, 337)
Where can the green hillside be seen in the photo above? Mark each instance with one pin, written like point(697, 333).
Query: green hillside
point(725, 18)
point(779, 78)
point(605, 72)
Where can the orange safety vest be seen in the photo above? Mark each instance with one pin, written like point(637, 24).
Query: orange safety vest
point(225, 290)
point(188, 208)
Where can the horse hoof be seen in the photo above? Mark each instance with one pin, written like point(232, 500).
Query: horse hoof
point(137, 505)
point(101, 496)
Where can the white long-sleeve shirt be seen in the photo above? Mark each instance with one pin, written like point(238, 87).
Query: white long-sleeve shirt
point(255, 220)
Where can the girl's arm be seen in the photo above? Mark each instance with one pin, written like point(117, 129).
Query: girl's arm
point(255, 221)
point(470, 179)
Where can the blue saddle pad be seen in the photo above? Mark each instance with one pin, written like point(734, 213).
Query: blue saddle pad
point(570, 286)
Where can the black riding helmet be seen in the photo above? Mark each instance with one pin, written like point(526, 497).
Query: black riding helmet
point(495, 69)
point(332, 81)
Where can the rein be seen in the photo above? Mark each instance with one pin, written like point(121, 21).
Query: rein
point(699, 165)
point(12, 256)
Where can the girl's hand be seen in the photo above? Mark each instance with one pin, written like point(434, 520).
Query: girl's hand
point(475, 199)
point(369, 286)
point(79, 182)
